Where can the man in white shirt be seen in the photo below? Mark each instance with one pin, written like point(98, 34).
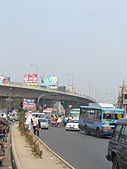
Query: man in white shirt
point(28, 120)
point(36, 125)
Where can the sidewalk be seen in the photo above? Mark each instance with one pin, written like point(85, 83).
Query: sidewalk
point(25, 160)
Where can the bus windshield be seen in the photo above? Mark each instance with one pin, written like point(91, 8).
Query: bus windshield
point(74, 114)
point(112, 115)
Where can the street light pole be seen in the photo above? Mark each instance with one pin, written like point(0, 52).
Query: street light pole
point(42, 96)
point(95, 92)
point(72, 81)
point(36, 67)
point(89, 84)
point(9, 98)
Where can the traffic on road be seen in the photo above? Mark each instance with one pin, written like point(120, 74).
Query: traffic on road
point(68, 137)
point(78, 149)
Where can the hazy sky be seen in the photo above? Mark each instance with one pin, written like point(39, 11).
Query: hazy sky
point(84, 38)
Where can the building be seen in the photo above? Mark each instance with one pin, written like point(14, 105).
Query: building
point(122, 98)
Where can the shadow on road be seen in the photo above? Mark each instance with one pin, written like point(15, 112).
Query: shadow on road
point(94, 135)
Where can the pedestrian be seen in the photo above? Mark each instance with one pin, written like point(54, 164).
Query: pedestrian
point(59, 121)
point(66, 119)
point(36, 125)
point(28, 120)
point(53, 120)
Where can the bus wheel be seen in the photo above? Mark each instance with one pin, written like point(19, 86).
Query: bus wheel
point(98, 133)
point(86, 130)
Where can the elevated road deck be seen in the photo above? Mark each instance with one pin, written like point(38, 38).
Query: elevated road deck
point(21, 91)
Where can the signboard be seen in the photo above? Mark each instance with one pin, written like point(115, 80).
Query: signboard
point(29, 104)
point(4, 80)
point(108, 105)
point(31, 79)
point(69, 89)
point(48, 81)
point(1, 79)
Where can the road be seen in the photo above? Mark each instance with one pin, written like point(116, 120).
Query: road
point(80, 150)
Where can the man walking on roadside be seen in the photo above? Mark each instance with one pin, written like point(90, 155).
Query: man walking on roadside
point(36, 125)
point(28, 120)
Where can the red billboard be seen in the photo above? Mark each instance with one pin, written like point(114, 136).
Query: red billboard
point(31, 78)
point(29, 104)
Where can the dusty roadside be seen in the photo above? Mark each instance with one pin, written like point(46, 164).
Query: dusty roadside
point(26, 158)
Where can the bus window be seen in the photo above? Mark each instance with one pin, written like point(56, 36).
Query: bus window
point(112, 115)
point(108, 116)
point(81, 112)
point(84, 113)
point(91, 113)
point(98, 114)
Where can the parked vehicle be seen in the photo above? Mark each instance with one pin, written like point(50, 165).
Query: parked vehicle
point(40, 115)
point(4, 115)
point(2, 152)
point(117, 147)
point(12, 117)
point(4, 128)
point(72, 125)
point(43, 123)
point(3, 137)
point(74, 114)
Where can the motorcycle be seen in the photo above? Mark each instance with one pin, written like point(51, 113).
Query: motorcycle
point(2, 151)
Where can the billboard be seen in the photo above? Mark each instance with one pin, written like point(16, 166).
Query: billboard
point(108, 105)
point(48, 81)
point(31, 79)
point(4, 80)
point(29, 104)
point(1, 79)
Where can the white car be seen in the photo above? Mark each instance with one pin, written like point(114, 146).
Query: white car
point(39, 115)
point(72, 125)
point(43, 123)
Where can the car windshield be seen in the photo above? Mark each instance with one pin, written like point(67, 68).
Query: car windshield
point(112, 115)
point(73, 121)
point(39, 115)
point(43, 120)
point(74, 114)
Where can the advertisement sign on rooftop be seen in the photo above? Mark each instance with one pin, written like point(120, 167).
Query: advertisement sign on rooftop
point(4, 80)
point(108, 105)
point(48, 81)
point(31, 79)
point(1, 79)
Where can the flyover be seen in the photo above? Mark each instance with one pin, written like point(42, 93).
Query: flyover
point(18, 90)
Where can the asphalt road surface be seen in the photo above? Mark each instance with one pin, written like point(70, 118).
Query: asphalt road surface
point(80, 150)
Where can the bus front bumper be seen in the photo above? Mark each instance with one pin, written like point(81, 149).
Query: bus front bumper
point(106, 132)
